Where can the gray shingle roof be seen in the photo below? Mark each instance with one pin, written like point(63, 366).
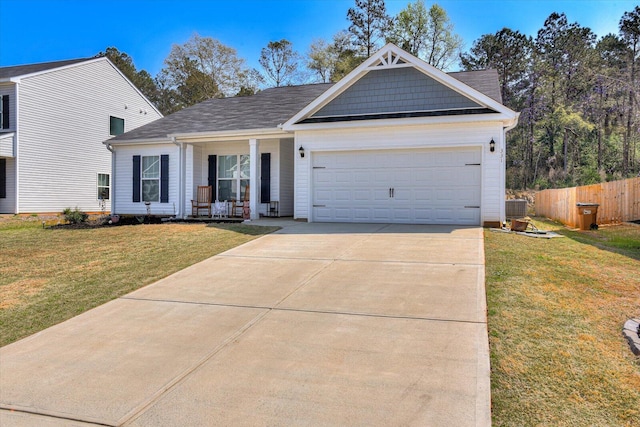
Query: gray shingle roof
point(484, 81)
point(21, 70)
point(267, 109)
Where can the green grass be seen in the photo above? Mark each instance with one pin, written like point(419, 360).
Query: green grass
point(556, 310)
point(50, 275)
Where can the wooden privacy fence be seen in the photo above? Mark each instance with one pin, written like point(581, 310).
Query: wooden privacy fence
point(619, 201)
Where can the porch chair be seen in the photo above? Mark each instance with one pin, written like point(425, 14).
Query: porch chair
point(238, 207)
point(203, 201)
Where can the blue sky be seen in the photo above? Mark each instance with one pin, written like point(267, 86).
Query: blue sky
point(49, 30)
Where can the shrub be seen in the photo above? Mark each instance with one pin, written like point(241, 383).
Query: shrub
point(74, 217)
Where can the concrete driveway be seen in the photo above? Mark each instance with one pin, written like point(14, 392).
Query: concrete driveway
point(318, 324)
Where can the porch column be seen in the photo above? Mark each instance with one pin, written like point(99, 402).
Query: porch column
point(254, 159)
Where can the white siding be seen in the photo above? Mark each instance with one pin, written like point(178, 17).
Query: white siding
point(286, 177)
point(419, 136)
point(124, 179)
point(63, 121)
point(8, 204)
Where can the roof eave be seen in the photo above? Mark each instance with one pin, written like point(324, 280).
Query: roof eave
point(229, 135)
point(138, 141)
point(506, 119)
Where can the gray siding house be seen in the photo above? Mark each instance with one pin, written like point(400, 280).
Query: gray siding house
point(395, 141)
point(55, 117)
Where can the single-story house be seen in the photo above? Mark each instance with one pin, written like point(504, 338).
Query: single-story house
point(396, 140)
point(54, 118)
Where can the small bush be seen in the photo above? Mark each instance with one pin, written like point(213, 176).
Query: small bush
point(74, 217)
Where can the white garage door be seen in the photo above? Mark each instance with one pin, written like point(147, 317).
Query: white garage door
point(430, 186)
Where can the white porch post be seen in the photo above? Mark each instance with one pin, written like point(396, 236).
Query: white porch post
point(254, 159)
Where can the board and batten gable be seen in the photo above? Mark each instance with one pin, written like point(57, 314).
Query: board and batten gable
point(452, 135)
point(64, 117)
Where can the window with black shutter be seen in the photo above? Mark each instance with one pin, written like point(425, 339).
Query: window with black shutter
point(4, 113)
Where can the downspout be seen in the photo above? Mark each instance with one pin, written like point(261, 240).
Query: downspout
point(180, 180)
point(113, 178)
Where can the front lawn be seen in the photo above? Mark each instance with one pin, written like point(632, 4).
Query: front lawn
point(50, 275)
point(556, 311)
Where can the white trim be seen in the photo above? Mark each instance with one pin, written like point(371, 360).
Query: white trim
point(16, 152)
point(254, 160)
point(149, 141)
point(230, 135)
point(103, 186)
point(409, 121)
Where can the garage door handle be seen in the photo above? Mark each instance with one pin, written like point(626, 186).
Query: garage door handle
point(472, 207)
point(319, 206)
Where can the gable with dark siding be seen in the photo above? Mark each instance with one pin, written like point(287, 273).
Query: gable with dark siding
point(395, 90)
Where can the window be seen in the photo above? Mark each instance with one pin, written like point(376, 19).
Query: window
point(4, 112)
point(150, 178)
point(233, 177)
point(116, 126)
point(103, 186)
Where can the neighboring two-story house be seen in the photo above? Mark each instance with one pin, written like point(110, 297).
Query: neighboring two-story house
point(53, 121)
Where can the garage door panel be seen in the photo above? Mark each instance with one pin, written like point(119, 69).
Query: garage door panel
point(468, 216)
point(362, 195)
point(344, 177)
point(428, 186)
point(423, 215)
point(423, 195)
point(342, 214)
point(381, 195)
point(362, 177)
point(342, 196)
point(323, 196)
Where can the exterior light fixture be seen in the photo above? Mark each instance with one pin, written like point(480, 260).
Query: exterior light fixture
point(301, 151)
point(492, 145)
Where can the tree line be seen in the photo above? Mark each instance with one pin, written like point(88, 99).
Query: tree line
point(577, 94)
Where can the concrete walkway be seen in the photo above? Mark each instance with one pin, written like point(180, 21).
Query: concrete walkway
point(318, 324)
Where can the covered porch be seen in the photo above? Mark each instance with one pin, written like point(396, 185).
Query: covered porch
point(255, 170)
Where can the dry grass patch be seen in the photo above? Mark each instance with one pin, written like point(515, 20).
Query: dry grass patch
point(50, 275)
point(556, 310)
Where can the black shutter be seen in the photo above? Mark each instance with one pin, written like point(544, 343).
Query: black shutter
point(3, 178)
point(213, 164)
point(5, 112)
point(265, 177)
point(136, 178)
point(164, 178)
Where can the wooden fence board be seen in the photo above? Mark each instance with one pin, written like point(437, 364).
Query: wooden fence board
point(619, 201)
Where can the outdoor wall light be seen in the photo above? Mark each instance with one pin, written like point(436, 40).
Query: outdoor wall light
point(301, 151)
point(492, 145)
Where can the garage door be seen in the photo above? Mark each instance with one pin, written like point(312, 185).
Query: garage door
point(399, 186)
